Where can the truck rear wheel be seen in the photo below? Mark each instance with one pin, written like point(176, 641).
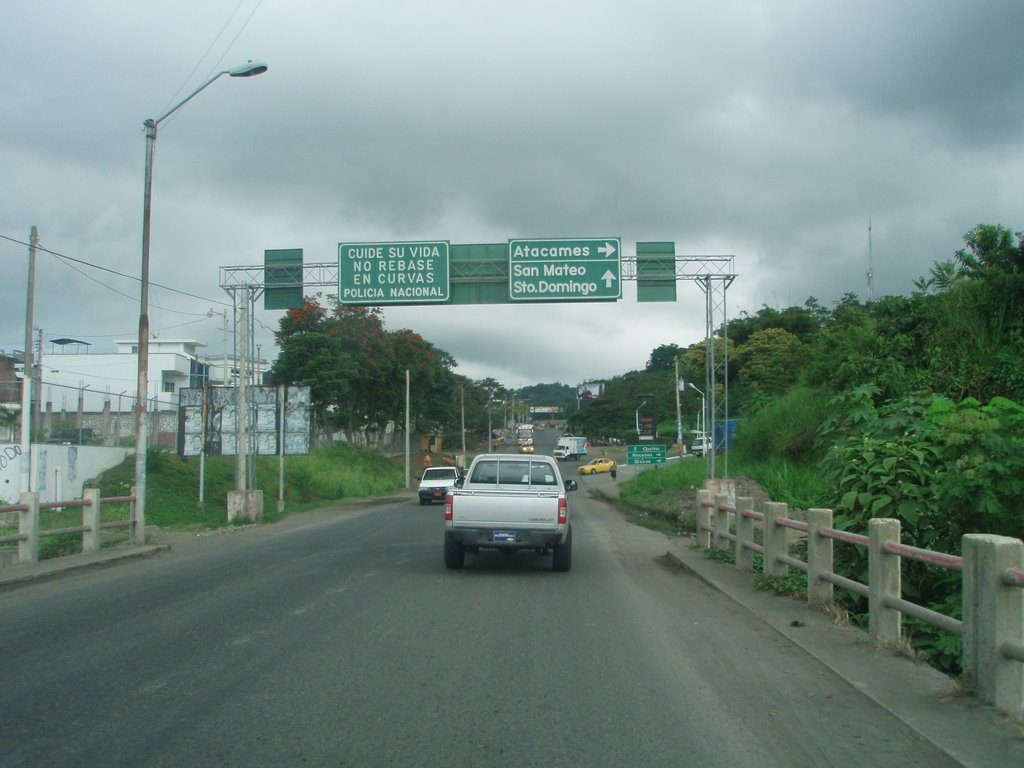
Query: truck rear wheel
point(454, 554)
point(562, 560)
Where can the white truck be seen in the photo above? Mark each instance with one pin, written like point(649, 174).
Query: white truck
point(509, 502)
point(701, 444)
point(435, 483)
point(570, 447)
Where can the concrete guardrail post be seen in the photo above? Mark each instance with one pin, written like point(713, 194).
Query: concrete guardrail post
point(704, 499)
point(28, 526)
point(721, 520)
point(993, 618)
point(774, 539)
point(744, 533)
point(819, 556)
point(884, 581)
point(91, 520)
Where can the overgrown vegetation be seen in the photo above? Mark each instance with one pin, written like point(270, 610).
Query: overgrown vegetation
point(793, 583)
point(906, 407)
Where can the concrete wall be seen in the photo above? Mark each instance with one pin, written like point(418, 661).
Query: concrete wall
point(58, 471)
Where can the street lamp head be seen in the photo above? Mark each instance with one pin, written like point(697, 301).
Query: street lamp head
point(249, 69)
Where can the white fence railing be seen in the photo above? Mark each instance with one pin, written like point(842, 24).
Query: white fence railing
point(30, 530)
point(992, 569)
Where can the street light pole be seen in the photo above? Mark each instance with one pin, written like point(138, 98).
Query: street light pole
point(141, 427)
point(462, 425)
point(702, 421)
point(679, 412)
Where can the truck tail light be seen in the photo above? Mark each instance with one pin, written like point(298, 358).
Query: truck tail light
point(563, 510)
point(449, 502)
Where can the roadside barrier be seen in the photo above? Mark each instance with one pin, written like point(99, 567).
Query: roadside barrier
point(30, 532)
point(992, 583)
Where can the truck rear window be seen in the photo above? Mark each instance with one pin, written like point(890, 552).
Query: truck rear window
point(514, 472)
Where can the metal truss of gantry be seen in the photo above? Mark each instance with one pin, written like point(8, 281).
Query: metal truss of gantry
point(243, 301)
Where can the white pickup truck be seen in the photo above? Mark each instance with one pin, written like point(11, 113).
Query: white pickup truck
point(509, 502)
point(435, 483)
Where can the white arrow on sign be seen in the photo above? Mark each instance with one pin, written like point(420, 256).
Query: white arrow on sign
point(608, 278)
point(608, 249)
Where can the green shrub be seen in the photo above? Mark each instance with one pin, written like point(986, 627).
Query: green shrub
point(783, 427)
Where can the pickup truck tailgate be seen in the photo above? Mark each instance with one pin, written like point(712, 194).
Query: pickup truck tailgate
point(496, 508)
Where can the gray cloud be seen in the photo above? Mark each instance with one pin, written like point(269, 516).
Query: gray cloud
point(768, 130)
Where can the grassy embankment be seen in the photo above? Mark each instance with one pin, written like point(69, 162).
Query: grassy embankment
point(665, 497)
point(172, 490)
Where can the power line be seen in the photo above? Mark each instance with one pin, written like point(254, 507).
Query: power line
point(118, 274)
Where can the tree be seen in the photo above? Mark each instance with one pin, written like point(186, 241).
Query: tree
point(695, 358)
point(802, 322)
point(991, 249)
point(976, 313)
point(356, 369)
point(771, 361)
point(431, 381)
point(310, 355)
point(663, 358)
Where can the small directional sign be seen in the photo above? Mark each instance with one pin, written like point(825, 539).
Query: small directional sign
point(393, 273)
point(645, 454)
point(565, 269)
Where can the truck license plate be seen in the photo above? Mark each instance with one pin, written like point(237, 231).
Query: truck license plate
point(504, 537)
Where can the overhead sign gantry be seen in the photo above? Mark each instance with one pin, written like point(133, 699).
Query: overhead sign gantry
point(519, 270)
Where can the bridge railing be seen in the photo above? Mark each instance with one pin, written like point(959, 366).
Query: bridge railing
point(992, 582)
point(30, 531)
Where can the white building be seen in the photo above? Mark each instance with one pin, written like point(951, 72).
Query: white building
point(74, 380)
point(91, 394)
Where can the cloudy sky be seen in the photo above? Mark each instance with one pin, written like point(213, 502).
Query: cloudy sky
point(771, 131)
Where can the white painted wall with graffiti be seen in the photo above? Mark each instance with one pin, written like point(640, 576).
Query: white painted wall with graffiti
point(59, 472)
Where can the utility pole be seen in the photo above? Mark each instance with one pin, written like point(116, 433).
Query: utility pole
point(241, 406)
point(679, 412)
point(490, 398)
point(26, 379)
point(37, 374)
point(407, 427)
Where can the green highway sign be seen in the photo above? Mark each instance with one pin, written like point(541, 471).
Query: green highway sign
point(645, 454)
point(565, 269)
point(415, 272)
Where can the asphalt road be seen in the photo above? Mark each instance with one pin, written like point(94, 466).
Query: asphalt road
point(343, 641)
